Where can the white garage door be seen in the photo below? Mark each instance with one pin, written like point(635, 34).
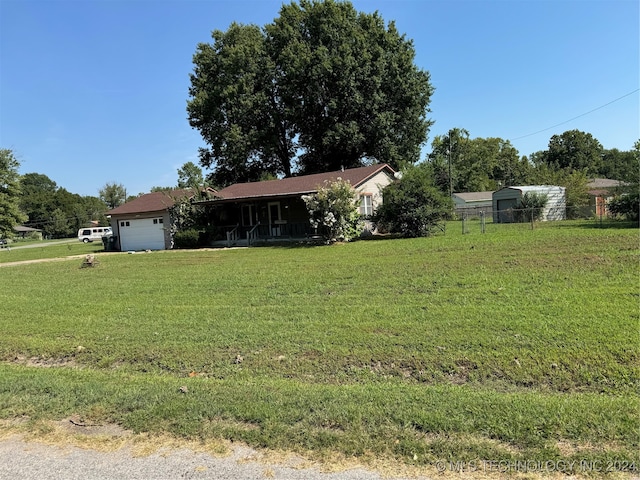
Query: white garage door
point(142, 234)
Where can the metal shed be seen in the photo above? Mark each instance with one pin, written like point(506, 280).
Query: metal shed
point(506, 200)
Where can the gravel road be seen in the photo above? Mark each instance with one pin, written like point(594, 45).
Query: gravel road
point(34, 461)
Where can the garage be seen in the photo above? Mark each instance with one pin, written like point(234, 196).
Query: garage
point(142, 234)
point(144, 222)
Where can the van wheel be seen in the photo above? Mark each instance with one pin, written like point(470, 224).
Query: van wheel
point(85, 240)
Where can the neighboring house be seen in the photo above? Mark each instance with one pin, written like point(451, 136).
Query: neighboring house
point(473, 202)
point(507, 199)
point(144, 222)
point(601, 191)
point(274, 209)
point(24, 232)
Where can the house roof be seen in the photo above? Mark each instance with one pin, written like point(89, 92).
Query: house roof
point(597, 183)
point(598, 193)
point(23, 229)
point(474, 196)
point(151, 202)
point(301, 185)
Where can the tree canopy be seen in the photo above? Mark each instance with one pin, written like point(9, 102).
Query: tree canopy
point(55, 210)
point(321, 87)
point(478, 164)
point(10, 214)
point(190, 176)
point(113, 194)
point(575, 150)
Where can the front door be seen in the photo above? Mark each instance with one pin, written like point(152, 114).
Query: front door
point(247, 215)
point(274, 218)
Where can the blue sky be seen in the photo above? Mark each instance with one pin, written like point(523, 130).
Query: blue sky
point(95, 91)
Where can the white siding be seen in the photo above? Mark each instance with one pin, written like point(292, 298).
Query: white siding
point(374, 187)
point(510, 196)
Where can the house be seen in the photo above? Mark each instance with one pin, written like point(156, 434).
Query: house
point(506, 200)
point(274, 209)
point(24, 232)
point(601, 191)
point(144, 222)
point(472, 202)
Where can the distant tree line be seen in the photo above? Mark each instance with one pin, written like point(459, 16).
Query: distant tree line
point(56, 211)
point(459, 163)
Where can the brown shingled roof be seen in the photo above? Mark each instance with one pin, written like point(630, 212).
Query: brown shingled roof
point(151, 202)
point(299, 185)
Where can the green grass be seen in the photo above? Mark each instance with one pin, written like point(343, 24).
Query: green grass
point(498, 346)
point(40, 250)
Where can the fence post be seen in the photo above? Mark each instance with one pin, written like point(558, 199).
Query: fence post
point(531, 215)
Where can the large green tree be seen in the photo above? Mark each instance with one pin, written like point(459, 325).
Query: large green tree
point(10, 213)
point(113, 194)
point(190, 176)
point(620, 165)
point(236, 106)
point(322, 87)
point(575, 150)
point(37, 198)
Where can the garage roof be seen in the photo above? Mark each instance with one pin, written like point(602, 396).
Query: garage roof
point(151, 202)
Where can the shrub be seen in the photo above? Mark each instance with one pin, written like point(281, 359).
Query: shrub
point(186, 239)
point(626, 206)
point(530, 207)
point(333, 211)
point(413, 206)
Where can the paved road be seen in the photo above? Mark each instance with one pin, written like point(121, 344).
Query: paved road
point(37, 245)
point(35, 461)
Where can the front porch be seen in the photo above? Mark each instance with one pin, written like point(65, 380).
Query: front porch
point(260, 234)
point(255, 222)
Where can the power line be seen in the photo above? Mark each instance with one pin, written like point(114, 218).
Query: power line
point(572, 119)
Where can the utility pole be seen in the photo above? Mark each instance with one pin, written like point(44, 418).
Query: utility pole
point(450, 179)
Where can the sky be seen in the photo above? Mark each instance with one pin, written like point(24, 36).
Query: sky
point(95, 91)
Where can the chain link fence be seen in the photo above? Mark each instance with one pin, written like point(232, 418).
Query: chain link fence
point(485, 220)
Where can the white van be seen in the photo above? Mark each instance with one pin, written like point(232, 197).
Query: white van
point(87, 235)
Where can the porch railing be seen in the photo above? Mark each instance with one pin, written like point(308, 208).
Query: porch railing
point(252, 234)
point(232, 236)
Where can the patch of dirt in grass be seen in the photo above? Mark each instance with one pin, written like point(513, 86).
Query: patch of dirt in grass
point(230, 424)
point(571, 449)
point(45, 362)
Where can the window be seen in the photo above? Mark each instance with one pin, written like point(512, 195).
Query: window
point(157, 221)
point(366, 205)
point(124, 224)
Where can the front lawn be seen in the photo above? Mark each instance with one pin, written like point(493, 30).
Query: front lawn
point(514, 345)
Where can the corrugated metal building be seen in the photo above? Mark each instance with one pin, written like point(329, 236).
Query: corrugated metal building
point(506, 201)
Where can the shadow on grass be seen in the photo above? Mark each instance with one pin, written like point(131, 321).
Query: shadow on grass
point(597, 224)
